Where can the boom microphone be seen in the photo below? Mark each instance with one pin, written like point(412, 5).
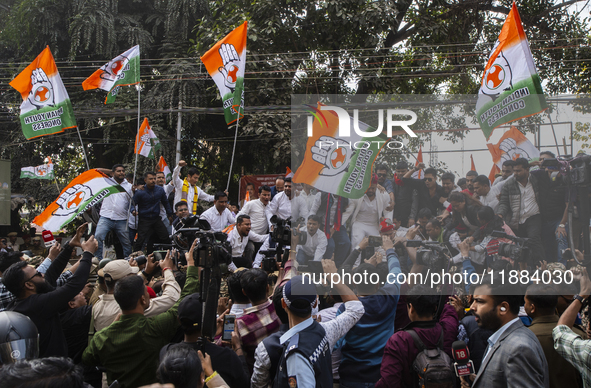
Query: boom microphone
point(462, 363)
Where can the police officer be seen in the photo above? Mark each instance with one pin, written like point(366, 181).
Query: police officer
point(305, 361)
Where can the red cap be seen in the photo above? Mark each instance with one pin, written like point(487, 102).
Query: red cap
point(374, 179)
point(151, 292)
point(386, 227)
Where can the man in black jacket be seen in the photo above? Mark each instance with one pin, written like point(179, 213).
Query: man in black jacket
point(37, 297)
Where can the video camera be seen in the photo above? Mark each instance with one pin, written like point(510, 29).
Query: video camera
point(213, 253)
point(213, 247)
point(432, 254)
point(517, 251)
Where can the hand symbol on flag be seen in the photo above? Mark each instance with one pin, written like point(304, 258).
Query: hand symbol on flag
point(230, 69)
point(332, 153)
point(113, 70)
point(41, 94)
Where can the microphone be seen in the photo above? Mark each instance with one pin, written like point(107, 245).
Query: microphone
point(48, 238)
point(462, 363)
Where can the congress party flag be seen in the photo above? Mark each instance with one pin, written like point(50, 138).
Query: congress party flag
point(512, 145)
point(146, 142)
point(419, 174)
point(163, 167)
point(338, 164)
point(511, 88)
point(123, 70)
point(86, 190)
point(44, 171)
point(472, 165)
point(225, 62)
point(46, 107)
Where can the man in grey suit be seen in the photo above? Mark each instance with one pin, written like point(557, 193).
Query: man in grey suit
point(514, 357)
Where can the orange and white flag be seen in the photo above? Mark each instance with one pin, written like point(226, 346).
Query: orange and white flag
point(512, 145)
point(419, 174)
point(225, 62)
point(122, 70)
point(146, 142)
point(511, 88)
point(46, 107)
point(163, 167)
point(86, 190)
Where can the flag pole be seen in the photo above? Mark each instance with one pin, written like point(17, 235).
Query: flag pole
point(135, 152)
point(137, 135)
point(83, 149)
point(553, 132)
point(233, 151)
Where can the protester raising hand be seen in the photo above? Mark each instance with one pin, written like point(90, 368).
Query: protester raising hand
point(76, 240)
point(189, 254)
point(90, 245)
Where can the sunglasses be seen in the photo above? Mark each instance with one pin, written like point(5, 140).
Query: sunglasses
point(382, 174)
point(429, 179)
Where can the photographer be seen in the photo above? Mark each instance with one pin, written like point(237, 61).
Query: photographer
point(568, 344)
point(105, 311)
point(239, 238)
point(129, 347)
point(315, 242)
point(37, 297)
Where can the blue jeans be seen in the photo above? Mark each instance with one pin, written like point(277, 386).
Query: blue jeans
point(167, 225)
point(553, 243)
point(340, 245)
point(119, 227)
point(302, 258)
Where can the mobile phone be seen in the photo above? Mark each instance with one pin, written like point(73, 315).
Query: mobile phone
point(228, 327)
point(160, 255)
point(374, 241)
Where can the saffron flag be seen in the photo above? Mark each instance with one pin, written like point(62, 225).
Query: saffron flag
point(46, 107)
point(511, 88)
point(163, 167)
point(472, 165)
point(247, 198)
point(146, 142)
point(122, 70)
point(44, 171)
point(337, 164)
point(512, 145)
point(419, 174)
point(86, 190)
point(493, 171)
point(225, 62)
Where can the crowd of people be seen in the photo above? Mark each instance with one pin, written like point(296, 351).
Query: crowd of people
point(118, 304)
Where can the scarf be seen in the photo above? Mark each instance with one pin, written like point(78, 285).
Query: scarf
point(338, 216)
point(398, 181)
point(185, 194)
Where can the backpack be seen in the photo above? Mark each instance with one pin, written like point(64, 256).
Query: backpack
point(433, 367)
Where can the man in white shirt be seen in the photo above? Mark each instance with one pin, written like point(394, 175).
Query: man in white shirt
point(238, 238)
point(302, 203)
point(187, 190)
point(257, 210)
point(487, 195)
point(506, 172)
point(315, 244)
point(280, 206)
point(115, 213)
point(168, 188)
point(218, 216)
point(367, 212)
point(181, 211)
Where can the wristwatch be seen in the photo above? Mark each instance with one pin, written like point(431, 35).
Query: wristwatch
point(579, 298)
point(561, 226)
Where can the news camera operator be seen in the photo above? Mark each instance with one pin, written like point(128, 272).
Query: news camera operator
point(310, 244)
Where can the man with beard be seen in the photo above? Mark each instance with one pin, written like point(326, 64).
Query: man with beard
point(37, 297)
point(514, 356)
